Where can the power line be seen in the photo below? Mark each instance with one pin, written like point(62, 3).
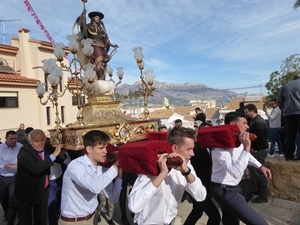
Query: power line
point(240, 88)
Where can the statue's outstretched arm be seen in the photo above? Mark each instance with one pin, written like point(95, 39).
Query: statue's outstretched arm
point(83, 24)
point(113, 45)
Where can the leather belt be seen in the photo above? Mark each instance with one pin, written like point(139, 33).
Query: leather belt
point(222, 185)
point(76, 219)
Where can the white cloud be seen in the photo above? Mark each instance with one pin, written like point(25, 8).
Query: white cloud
point(201, 41)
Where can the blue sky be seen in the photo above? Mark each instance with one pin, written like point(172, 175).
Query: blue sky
point(224, 44)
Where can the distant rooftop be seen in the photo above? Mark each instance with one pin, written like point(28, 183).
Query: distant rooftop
point(233, 104)
point(253, 99)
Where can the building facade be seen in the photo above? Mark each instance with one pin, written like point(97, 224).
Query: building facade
point(19, 102)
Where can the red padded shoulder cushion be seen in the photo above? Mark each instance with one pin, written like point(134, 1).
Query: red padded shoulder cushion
point(141, 157)
point(222, 136)
point(157, 135)
point(110, 148)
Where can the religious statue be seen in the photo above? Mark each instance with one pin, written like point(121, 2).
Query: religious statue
point(96, 31)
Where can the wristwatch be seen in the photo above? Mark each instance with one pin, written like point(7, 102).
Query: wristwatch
point(187, 172)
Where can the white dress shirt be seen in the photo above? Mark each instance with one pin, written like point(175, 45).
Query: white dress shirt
point(274, 118)
point(81, 185)
point(229, 164)
point(8, 156)
point(157, 206)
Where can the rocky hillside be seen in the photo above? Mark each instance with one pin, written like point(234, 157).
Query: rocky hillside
point(178, 94)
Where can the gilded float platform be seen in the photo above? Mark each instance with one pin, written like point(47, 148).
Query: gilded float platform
point(102, 113)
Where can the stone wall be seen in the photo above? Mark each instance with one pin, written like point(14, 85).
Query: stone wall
point(285, 183)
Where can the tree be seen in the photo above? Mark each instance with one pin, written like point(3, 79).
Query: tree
point(273, 85)
point(288, 69)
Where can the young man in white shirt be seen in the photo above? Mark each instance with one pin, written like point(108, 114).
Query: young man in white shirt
point(228, 168)
point(154, 199)
point(85, 178)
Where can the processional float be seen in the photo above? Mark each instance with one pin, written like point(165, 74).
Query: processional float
point(102, 110)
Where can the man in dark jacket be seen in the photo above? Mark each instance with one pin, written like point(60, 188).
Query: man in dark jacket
point(289, 103)
point(200, 115)
point(259, 149)
point(32, 182)
point(21, 133)
point(202, 164)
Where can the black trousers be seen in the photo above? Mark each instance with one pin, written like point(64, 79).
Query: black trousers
point(262, 181)
point(28, 211)
point(207, 206)
point(234, 207)
point(127, 179)
point(7, 188)
point(54, 201)
point(292, 126)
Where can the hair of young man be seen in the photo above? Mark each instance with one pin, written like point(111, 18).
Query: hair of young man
point(94, 137)
point(233, 117)
point(10, 132)
point(251, 107)
point(178, 121)
point(273, 100)
point(177, 135)
point(161, 127)
point(205, 124)
point(28, 130)
point(197, 109)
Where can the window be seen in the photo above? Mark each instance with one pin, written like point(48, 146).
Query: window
point(46, 82)
point(60, 86)
point(48, 115)
point(75, 101)
point(9, 99)
point(62, 111)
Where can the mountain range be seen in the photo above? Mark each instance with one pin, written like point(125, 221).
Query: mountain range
point(178, 94)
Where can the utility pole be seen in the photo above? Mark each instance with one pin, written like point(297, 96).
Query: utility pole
point(3, 27)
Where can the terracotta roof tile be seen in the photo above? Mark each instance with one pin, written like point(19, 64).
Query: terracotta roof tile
point(212, 113)
point(45, 43)
point(233, 104)
point(16, 78)
point(161, 114)
point(189, 118)
point(23, 30)
point(74, 82)
point(184, 110)
point(10, 47)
